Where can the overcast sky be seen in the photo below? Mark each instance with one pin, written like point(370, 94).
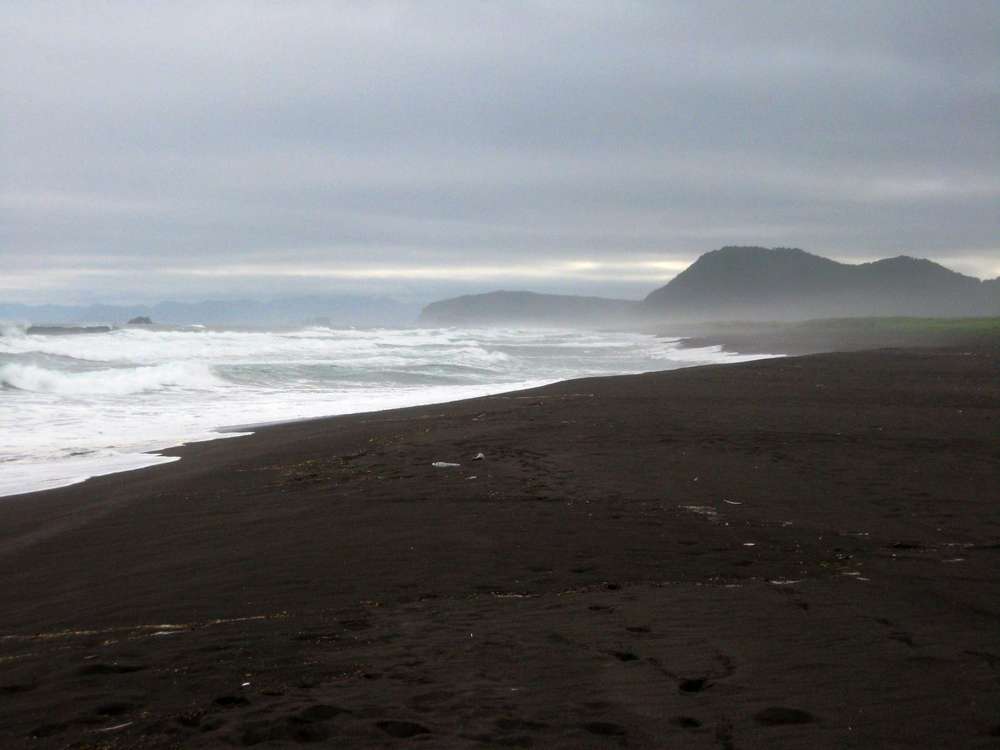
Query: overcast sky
point(189, 150)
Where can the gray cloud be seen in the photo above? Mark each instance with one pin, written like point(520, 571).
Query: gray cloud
point(193, 148)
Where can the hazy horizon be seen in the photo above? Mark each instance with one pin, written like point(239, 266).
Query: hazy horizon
point(190, 151)
point(426, 295)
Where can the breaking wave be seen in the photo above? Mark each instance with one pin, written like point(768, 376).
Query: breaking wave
point(119, 381)
point(75, 405)
point(11, 330)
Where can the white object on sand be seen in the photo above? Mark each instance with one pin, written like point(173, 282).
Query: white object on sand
point(444, 465)
point(479, 457)
point(116, 727)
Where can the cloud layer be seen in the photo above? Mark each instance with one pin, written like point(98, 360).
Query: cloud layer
point(185, 149)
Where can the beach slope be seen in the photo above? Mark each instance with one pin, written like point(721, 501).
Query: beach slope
point(787, 553)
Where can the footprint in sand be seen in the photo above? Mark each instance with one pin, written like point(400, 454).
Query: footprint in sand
point(105, 669)
point(694, 685)
point(307, 726)
point(685, 722)
point(231, 701)
point(902, 637)
point(780, 716)
point(17, 688)
point(116, 708)
point(625, 656)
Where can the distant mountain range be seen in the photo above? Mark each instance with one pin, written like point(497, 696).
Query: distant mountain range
point(732, 284)
point(754, 283)
point(750, 283)
point(334, 310)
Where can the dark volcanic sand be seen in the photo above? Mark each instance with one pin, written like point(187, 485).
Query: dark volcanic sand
point(850, 334)
point(592, 586)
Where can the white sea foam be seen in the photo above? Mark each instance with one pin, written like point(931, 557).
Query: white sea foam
point(74, 406)
point(113, 381)
point(11, 330)
point(675, 351)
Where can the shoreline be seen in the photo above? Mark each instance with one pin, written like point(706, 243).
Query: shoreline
point(765, 339)
point(139, 461)
point(324, 581)
point(223, 432)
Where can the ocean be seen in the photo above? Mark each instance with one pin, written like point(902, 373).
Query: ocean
point(73, 406)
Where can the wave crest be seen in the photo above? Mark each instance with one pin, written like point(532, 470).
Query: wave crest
point(110, 382)
point(12, 330)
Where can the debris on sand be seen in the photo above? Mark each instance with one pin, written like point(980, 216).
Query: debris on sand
point(115, 728)
point(701, 510)
point(444, 465)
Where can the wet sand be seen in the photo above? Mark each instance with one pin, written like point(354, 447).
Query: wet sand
point(786, 553)
point(846, 334)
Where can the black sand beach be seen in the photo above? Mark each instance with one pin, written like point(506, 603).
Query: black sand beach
point(794, 553)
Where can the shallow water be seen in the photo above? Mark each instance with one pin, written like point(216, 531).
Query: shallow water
point(75, 406)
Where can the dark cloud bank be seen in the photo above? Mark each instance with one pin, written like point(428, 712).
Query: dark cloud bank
point(193, 150)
